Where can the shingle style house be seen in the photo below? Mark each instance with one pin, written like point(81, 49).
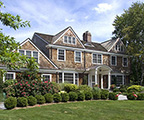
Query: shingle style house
point(65, 58)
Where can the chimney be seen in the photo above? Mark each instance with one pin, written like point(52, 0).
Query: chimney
point(87, 36)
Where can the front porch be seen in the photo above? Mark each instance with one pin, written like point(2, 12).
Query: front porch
point(101, 76)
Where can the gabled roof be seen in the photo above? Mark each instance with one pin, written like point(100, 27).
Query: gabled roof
point(109, 44)
point(29, 40)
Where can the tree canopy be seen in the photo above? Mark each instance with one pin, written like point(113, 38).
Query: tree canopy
point(129, 27)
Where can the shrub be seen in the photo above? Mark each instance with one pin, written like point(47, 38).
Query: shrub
point(70, 87)
point(96, 95)
point(88, 95)
point(131, 96)
point(84, 88)
point(40, 99)
point(22, 102)
point(32, 100)
point(65, 97)
point(134, 88)
point(81, 96)
point(113, 96)
point(116, 90)
point(48, 97)
point(61, 85)
point(104, 94)
point(123, 90)
point(10, 102)
point(140, 96)
point(113, 86)
point(73, 96)
point(57, 97)
point(96, 89)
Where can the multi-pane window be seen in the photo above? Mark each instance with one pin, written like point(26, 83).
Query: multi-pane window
point(61, 54)
point(125, 62)
point(60, 77)
point(68, 78)
point(119, 47)
point(117, 80)
point(76, 78)
point(77, 56)
point(113, 60)
point(69, 40)
point(29, 54)
point(9, 76)
point(46, 77)
point(97, 58)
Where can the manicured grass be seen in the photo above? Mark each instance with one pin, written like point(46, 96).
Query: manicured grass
point(88, 110)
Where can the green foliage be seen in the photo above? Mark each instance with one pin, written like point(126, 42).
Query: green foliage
point(116, 90)
point(104, 94)
point(22, 102)
point(10, 103)
point(70, 87)
point(48, 97)
point(140, 96)
point(113, 86)
point(84, 88)
point(81, 96)
point(96, 95)
point(61, 85)
point(9, 82)
point(40, 99)
point(134, 88)
point(113, 96)
point(131, 96)
point(85, 80)
point(57, 97)
point(73, 96)
point(88, 95)
point(10, 91)
point(32, 100)
point(65, 97)
point(96, 89)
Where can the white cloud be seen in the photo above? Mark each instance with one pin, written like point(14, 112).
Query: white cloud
point(86, 17)
point(103, 7)
point(69, 20)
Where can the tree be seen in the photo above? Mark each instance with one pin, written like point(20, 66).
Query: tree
point(129, 26)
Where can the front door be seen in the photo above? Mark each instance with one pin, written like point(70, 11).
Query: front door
point(105, 81)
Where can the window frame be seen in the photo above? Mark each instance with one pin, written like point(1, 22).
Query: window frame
point(58, 54)
point(80, 57)
point(115, 60)
point(123, 62)
point(71, 37)
point(14, 75)
point(97, 58)
point(47, 75)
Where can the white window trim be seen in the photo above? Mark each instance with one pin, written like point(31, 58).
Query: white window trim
point(47, 74)
point(68, 40)
point(75, 57)
point(64, 54)
point(111, 60)
point(31, 53)
point(97, 58)
point(123, 61)
point(14, 75)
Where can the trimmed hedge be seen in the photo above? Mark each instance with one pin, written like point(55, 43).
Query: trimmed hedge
point(140, 96)
point(73, 96)
point(113, 96)
point(70, 87)
point(57, 97)
point(134, 88)
point(84, 88)
point(131, 96)
point(88, 95)
point(48, 97)
point(81, 96)
point(40, 99)
point(104, 94)
point(65, 97)
point(22, 102)
point(10, 102)
point(96, 95)
point(32, 101)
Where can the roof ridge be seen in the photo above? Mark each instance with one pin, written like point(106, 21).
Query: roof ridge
point(43, 34)
point(62, 30)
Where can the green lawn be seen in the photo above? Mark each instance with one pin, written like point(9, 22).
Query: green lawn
point(88, 110)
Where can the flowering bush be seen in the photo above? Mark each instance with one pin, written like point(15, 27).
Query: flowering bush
point(132, 96)
point(113, 96)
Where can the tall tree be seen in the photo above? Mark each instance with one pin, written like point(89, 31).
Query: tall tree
point(129, 26)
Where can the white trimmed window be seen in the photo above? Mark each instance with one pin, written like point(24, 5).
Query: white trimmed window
point(61, 54)
point(9, 76)
point(47, 77)
point(97, 58)
point(77, 56)
point(113, 60)
point(125, 61)
point(30, 54)
point(69, 40)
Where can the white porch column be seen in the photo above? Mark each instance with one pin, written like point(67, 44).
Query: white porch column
point(96, 78)
point(62, 77)
point(89, 82)
point(73, 78)
point(109, 80)
point(123, 79)
point(101, 81)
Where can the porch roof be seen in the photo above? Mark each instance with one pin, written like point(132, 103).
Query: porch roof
point(96, 67)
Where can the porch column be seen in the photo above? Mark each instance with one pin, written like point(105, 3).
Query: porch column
point(62, 77)
point(89, 82)
point(101, 81)
point(109, 80)
point(96, 78)
point(123, 79)
point(73, 78)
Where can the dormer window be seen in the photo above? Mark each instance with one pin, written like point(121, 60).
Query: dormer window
point(69, 40)
point(119, 48)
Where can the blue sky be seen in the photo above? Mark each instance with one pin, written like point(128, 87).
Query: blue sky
point(52, 16)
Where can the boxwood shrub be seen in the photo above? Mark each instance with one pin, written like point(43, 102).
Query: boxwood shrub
point(70, 87)
point(104, 94)
point(113, 96)
point(22, 102)
point(96, 95)
point(134, 88)
point(73, 96)
point(130, 96)
point(10, 103)
point(88, 95)
point(84, 88)
point(32, 101)
point(81, 96)
point(140, 96)
point(48, 97)
point(65, 97)
point(40, 99)
point(57, 97)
